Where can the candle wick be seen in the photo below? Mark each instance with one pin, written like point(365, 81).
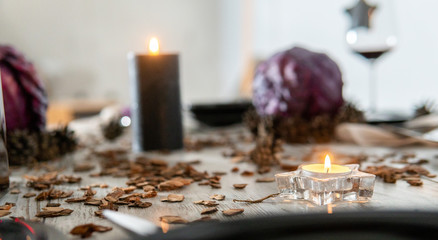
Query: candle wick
point(327, 170)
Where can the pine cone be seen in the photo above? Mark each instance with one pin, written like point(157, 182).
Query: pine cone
point(22, 147)
point(424, 108)
point(113, 129)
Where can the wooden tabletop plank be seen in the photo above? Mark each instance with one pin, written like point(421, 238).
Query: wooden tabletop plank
point(386, 196)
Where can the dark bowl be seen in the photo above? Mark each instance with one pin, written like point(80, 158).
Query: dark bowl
point(221, 113)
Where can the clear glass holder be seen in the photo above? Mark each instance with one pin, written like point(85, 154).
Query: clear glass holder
point(325, 188)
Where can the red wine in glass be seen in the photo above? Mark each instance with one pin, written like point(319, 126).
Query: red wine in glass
point(372, 54)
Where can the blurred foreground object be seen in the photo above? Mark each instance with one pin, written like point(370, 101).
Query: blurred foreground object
point(25, 98)
point(301, 93)
point(4, 163)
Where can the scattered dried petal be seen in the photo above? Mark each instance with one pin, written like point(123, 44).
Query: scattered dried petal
point(173, 198)
point(266, 179)
point(247, 173)
point(232, 212)
point(217, 197)
point(83, 167)
point(15, 191)
point(140, 205)
point(258, 200)
point(173, 219)
point(416, 182)
point(29, 195)
point(240, 185)
point(149, 194)
point(4, 213)
point(235, 169)
point(209, 210)
point(170, 185)
point(86, 230)
point(54, 212)
point(53, 204)
point(219, 173)
point(79, 199)
point(205, 219)
point(207, 203)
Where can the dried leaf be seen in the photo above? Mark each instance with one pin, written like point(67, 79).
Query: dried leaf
point(15, 191)
point(86, 230)
point(140, 205)
point(209, 210)
point(149, 194)
point(219, 173)
point(217, 197)
point(205, 219)
point(29, 195)
point(232, 212)
point(148, 188)
point(264, 169)
point(215, 185)
point(129, 189)
point(4, 213)
point(266, 179)
point(207, 203)
point(54, 212)
point(83, 167)
point(53, 204)
point(6, 206)
point(240, 185)
point(289, 167)
point(258, 200)
point(170, 185)
point(416, 183)
point(247, 173)
point(79, 199)
point(93, 202)
point(173, 198)
point(235, 169)
point(173, 219)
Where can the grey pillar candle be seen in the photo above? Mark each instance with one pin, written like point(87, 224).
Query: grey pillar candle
point(156, 105)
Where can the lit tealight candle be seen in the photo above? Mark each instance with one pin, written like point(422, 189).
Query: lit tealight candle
point(327, 167)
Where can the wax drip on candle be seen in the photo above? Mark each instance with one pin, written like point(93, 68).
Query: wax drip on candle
point(154, 47)
point(327, 164)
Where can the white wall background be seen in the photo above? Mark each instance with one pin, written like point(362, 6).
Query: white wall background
point(80, 46)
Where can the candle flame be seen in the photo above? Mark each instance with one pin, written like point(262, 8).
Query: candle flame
point(154, 47)
point(327, 164)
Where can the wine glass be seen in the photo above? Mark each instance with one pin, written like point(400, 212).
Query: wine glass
point(371, 35)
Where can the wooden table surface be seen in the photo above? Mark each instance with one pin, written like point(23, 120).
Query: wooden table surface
point(386, 196)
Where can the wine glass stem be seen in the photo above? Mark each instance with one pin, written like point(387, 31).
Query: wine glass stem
point(373, 88)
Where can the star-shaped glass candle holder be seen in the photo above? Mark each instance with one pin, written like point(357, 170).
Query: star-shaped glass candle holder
point(324, 188)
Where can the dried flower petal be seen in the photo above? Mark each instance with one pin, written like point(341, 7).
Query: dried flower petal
point(232, 212)
point(15, 191)
point(29, 195)
point(266, 179)
point(209, 210)
point(240, 185)
point(207, 203)
point(86, 230)
point(4, 213)
point(54, 212)
point(247, 173)
point(217, 197)
point(173, 198)
point(173, 219)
